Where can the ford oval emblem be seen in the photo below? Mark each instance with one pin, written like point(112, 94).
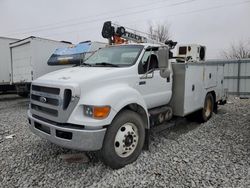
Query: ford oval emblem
point(43, 99)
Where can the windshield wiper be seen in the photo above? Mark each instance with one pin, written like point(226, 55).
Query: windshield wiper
point(85, 64)
point(106, 64)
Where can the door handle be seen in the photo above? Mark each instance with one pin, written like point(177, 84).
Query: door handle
point(142, 82)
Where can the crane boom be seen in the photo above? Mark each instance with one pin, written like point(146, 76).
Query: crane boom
point(117, 34)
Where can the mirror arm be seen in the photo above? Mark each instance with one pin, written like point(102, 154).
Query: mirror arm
point(145, 75)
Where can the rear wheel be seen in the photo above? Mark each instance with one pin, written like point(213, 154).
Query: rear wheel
point(124, 140)
point(207, 111)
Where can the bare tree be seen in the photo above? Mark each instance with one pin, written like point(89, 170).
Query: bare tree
point(159, 32)
point(241, 50)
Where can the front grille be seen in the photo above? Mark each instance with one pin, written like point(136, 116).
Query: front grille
point(43, 89)
point(45, 110)
point(51, 101)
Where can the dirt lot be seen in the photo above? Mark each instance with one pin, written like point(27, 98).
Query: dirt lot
point(215, 154)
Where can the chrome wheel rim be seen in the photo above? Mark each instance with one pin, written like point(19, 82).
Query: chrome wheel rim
point(126, 140)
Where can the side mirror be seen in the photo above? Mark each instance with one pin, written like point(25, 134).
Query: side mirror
point(163, 55)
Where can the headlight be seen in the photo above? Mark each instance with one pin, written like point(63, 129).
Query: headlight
point(97, 112)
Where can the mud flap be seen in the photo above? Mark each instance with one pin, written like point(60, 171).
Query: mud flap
point(147, 139)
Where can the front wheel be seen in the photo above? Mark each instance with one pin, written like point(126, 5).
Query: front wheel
point(124, 140)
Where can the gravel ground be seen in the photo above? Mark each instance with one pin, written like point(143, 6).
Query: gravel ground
point(213, 154)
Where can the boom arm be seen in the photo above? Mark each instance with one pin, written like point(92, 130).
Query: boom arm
point(118, 34)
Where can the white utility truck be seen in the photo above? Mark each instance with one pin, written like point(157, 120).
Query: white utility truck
point(111, 101)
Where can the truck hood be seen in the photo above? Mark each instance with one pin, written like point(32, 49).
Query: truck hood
point(79, 74)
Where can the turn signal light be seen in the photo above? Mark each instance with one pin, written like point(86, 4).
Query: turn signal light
point(101, 112)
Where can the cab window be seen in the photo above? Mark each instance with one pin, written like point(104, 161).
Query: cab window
point(149, 61)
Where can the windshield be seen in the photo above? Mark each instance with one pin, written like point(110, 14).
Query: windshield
point(115, 56)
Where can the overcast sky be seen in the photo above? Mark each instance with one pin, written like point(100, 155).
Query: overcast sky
point(214, 23)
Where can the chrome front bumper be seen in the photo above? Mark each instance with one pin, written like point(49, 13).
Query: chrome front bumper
point(68, 136)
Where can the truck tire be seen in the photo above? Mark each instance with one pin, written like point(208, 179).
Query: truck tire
point(124, 140)
point(207, 111)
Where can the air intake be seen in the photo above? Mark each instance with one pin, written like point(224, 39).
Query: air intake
point(67, 98)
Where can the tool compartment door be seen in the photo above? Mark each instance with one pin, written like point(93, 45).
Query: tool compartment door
point(21, 63)
point(210, 75)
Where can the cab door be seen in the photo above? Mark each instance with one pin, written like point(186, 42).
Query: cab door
point(155, 89)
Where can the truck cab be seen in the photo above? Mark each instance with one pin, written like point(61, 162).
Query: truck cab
point(75, 107)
